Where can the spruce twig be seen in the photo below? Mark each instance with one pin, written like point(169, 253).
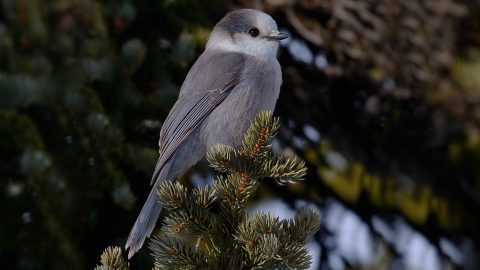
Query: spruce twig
point(207, 228)
point(112, 259)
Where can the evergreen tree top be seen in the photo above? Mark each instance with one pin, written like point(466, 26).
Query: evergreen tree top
point(207, 228)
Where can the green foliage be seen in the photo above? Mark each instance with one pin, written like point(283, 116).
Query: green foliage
point(82, 86)
point(112, 259)
point(255, 157)
point(207, 228)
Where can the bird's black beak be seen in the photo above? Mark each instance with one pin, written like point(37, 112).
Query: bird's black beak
point(275, 35)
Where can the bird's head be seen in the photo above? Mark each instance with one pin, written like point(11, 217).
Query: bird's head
point(246, 31)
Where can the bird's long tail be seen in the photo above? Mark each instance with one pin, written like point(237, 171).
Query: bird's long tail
point(148, 217)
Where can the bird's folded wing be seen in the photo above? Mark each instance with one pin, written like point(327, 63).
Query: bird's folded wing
point(191, 109)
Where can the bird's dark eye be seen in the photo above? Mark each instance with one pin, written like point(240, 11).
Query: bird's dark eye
point(253, 32)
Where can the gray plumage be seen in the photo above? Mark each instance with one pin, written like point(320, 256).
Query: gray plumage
point(236, 77)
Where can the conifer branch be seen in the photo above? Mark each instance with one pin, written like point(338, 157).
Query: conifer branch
point(304, 224)
point(256, 146)
point(188, 216)
point(112, 259)
point(176, 253)
point(207, 228)
point(172, 195)
point(225, 159)
point(257, 140)
point(285, 169)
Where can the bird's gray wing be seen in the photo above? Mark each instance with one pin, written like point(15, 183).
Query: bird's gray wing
point(208, 83)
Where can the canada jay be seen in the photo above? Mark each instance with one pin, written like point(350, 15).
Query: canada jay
point(235, 78)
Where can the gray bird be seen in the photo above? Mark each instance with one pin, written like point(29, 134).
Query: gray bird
point(235, 78)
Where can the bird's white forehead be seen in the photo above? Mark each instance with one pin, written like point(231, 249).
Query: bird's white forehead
point(265, 21)
point(242, 20)
point(231, 34)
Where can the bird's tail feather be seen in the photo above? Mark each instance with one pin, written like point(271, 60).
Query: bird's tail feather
point(145, 223)
point(148, 217)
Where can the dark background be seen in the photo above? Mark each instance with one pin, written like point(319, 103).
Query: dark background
point(381, 98)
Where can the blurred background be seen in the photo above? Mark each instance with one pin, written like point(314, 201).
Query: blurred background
point(380, 98)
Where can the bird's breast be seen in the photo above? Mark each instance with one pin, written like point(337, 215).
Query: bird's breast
point(257, 91)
